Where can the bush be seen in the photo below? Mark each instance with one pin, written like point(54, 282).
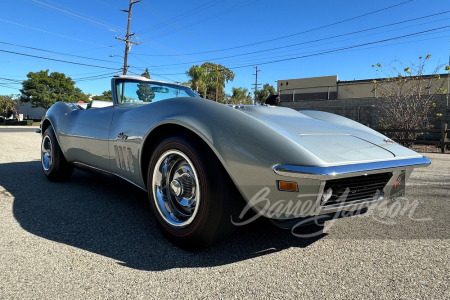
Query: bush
point(15, 122)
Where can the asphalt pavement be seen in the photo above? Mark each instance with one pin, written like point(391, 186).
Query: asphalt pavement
point(93, 237)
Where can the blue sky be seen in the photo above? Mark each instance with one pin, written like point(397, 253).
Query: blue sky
point(171, 31)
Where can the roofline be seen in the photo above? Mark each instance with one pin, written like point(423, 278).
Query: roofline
point(384, 78)
point(361, 80)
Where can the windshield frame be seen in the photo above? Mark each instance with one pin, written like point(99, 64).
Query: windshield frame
point(115, 87)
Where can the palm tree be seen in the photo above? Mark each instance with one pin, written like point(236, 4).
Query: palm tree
point(197, 75)
point(239, 95)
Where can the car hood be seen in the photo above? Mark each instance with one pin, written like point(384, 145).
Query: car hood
point(331, 142)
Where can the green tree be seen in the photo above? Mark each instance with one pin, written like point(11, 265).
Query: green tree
point(264, 93)
point(208, 78)
point(198, 77)
point(6, 105)
point(144, 90)
point(105, 96)
point(240, 96)
point(216, 78)
point(43, 89)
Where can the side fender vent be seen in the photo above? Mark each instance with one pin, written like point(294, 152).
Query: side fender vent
point(124, 158)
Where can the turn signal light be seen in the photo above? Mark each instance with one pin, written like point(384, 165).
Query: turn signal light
point(288, 186)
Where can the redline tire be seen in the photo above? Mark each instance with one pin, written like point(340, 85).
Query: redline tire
point(210, 218)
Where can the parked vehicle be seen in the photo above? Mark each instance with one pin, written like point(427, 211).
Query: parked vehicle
point(198, 159)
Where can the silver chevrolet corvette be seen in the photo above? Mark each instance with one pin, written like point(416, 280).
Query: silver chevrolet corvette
point(208, 166)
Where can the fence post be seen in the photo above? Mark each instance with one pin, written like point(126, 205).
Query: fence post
point(443, 137)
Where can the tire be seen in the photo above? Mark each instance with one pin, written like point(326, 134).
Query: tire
point(53, 162)
point(200, 197)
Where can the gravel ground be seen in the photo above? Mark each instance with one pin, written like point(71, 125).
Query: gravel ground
point(94, 237)
point(429, 148)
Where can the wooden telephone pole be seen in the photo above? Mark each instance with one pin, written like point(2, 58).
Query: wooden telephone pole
point(217, 81)
point(127, 37)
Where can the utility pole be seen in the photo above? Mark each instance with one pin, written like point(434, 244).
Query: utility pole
point(217, 81)
point(448, 77)
point(127, 37)
point(256, 83)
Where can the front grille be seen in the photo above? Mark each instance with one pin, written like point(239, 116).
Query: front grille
point(364, 187)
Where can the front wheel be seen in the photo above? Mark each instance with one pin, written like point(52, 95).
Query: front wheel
point(192, 197)
point(54, 164)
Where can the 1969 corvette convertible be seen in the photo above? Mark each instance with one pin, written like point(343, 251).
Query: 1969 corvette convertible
point(198, 159)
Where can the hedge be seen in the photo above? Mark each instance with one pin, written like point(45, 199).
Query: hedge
point(25, 122)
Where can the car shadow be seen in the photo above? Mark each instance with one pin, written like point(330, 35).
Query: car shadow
point(110, 217)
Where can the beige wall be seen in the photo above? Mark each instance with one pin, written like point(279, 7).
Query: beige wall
point(355, 90)
point(345, 89)
point(310, 82)
point(363, 89)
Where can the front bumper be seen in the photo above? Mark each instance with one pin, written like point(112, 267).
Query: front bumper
point(323, 174)
point(334, 172)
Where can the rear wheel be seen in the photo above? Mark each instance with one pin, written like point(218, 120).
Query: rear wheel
point(192, 197)
point(54, 164)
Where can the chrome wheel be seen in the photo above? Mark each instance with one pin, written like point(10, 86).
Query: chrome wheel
point(46, 149)
point(175, 188)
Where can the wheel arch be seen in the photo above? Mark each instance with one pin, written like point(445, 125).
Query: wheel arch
point(165, 130)
point(45, 124)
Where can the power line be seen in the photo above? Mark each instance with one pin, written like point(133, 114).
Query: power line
point(28, 85)
point(170, 22)
point(302, 43)
point(204, 20)
point(182, 16)
point(288, 46)
point(298, 33)
point(67, 37)
point(61, 53)
point(175, 25)
point(107, 4)
point(96, 76)
point(90, 19)
point(59, 60)
point(171, 79)
point(335, 50)
point(258, 58)
point(345, 48)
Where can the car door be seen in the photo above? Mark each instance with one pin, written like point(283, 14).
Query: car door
point(135, 111)
point(86, 136)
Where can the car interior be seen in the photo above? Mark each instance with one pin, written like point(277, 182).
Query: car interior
point(95, 104)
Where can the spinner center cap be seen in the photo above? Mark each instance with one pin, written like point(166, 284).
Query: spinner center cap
point(176, 188)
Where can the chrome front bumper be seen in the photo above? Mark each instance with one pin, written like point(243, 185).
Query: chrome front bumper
point(334, 172)
point(341, 171)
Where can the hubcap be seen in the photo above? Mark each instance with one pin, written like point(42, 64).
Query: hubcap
point(46, 149)
point(175, 188)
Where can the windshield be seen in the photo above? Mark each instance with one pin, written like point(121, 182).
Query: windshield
point(148, 92)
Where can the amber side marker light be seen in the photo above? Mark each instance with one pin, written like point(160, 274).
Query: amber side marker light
point(288, 186)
